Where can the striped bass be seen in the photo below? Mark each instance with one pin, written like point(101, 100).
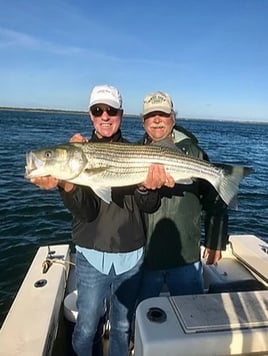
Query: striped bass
point(105, 165)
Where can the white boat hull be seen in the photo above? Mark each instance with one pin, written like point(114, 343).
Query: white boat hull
point(31, 325)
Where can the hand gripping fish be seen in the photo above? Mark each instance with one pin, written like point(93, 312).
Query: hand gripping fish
point(105, 165)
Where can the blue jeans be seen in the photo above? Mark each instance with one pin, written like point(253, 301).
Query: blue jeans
point(93, 287)
point(182, 280)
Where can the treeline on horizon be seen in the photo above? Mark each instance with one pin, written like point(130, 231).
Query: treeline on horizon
point(62, 111)
point(80, 112)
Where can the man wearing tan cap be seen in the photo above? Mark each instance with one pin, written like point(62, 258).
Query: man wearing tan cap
point(172, 254)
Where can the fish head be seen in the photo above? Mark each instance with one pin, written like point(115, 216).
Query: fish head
point(62, 162)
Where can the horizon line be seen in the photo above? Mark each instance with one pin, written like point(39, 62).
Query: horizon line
point(80, 112)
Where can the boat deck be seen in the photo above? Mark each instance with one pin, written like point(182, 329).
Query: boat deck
point(39, 306)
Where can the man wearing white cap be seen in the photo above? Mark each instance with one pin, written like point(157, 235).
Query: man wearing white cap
point(109, 238)
point(172, 254)
point(109, 241)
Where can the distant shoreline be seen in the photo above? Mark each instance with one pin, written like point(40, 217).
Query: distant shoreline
point(80, 112)
point(7, 108)
point(53, 111)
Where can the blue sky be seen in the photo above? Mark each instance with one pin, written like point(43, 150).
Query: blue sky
point(211, 56)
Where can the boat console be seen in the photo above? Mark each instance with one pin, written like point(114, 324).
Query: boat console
point(231, 318)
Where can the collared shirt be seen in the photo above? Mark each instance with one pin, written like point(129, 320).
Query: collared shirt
point(103, 261)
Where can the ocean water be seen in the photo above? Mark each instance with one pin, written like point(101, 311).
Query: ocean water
point(31, 217)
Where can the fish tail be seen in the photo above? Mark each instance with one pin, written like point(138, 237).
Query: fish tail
point(229, 183)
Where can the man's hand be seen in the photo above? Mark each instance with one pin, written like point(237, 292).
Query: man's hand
point(46, 182)
point(49, 182)
point(78, 138)
point(157, 177)
point(212, 256)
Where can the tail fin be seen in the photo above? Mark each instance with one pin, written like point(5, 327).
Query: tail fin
point(229, 184)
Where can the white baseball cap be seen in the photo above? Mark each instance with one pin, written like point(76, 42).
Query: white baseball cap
point(105, 94)
point(157, 101)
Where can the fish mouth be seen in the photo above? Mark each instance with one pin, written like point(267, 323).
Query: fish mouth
point(32, 164)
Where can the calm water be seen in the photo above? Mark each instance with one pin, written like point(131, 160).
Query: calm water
point(31, 217)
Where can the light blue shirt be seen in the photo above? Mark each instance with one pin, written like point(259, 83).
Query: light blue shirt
point(103, 261)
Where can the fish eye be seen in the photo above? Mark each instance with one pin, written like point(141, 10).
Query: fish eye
point(48, 154)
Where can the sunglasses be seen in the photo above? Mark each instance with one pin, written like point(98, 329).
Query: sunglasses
point(98, 111)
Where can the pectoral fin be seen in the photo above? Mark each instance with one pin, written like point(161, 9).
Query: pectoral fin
point(184, 181)
point(95, 171)
point(104, 193)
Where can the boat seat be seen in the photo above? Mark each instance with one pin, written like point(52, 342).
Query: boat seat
point(252, 252)
point(236, 286)
point(70, 309)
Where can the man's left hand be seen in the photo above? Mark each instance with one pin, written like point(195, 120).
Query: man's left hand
point(157, 177)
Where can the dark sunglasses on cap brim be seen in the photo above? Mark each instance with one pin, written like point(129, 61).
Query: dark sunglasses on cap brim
point(97, 110)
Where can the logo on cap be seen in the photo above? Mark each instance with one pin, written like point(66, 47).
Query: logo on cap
point(157, 102)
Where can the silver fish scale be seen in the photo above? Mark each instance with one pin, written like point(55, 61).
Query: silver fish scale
point(126, 159)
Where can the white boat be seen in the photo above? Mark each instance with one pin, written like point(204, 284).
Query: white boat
point(230, 318)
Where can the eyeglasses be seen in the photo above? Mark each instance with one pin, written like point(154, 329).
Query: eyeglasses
point(98, 111)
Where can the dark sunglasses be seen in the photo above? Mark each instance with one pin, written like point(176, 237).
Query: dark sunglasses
point(98, 111)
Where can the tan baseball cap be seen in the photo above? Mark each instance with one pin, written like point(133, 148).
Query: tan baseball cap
point(157, 101)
